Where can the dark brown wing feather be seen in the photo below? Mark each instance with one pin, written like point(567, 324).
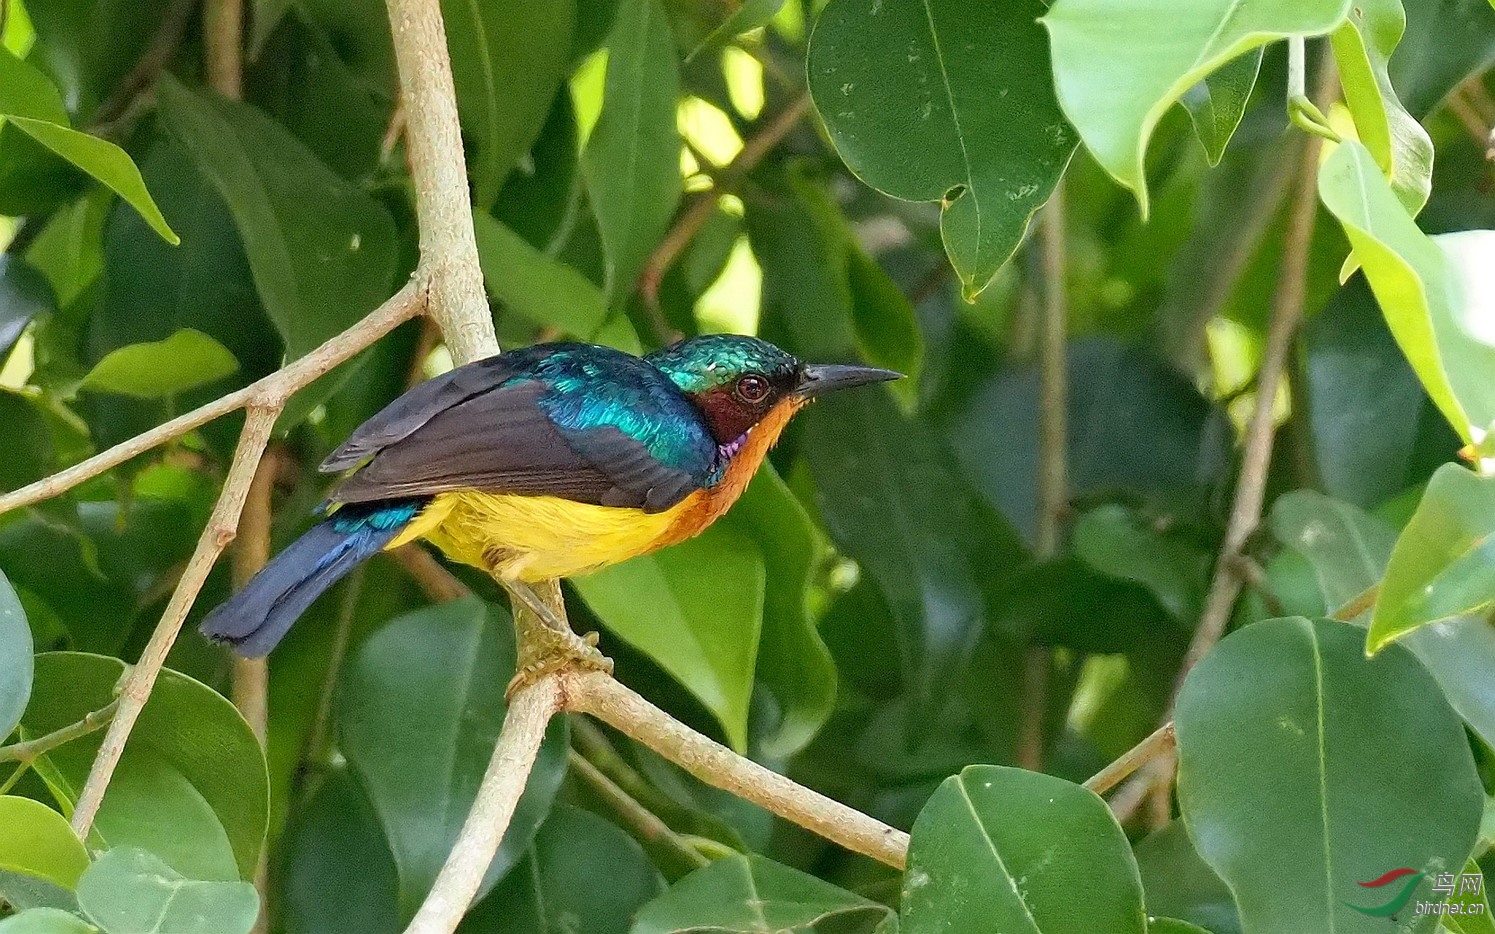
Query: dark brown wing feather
point(500, 440)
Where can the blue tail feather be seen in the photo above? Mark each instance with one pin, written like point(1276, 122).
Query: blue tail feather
point(255, 619)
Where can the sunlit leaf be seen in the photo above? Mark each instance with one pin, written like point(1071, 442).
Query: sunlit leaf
point(1217, 103)
point(183, 361)
point(129, 891)
point(1117, 72)
point(38, 842)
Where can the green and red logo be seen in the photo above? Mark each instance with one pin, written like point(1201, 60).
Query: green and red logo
point(1397, 901)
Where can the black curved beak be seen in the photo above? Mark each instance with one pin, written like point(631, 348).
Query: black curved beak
point(821, 378)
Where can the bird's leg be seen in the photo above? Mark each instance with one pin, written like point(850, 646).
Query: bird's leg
point(553, 645)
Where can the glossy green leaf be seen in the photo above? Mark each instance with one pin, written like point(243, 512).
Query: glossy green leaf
point(161, 369)
point(544, 289)
point(887, 331)
point(129, 891)
point(1443, 565)
point(38, 842)
point(696, 609)
point(1401, 147)
point(632, 159)
point(46, 921)
point(948, 100)
point(1217, 103)
point(508, 59)
point(752, 895)
point(1117, 72)
point(30, 102)
point(1417, 287)
point(1349, 550)
point(1338, 805)
point(1179, 884)
point(191, 785)
point(421, 706)
point(16, 668)
point(794, 665)
point(321, 250)
point(1000, 848)
point(581, 874)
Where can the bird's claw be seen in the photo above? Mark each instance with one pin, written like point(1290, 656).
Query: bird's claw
point(561, 652)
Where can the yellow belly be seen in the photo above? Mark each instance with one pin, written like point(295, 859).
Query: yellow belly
point(534, 538)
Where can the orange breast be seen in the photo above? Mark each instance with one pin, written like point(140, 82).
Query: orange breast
point(704, 507)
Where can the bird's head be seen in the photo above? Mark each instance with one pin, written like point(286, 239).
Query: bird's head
point(739, 382)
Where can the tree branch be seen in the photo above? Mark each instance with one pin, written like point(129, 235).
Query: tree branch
point(443, 209)
point(251, 551)
point(1053, 451)
point(223, 46)
point(609, 701)
point(27, 752)
point(1158, 742)
point(529, 713)
point(142, 677)
point(644, 822)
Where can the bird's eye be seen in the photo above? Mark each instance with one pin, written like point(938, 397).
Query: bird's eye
point(752, 388)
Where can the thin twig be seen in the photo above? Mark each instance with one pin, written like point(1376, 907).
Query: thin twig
point(269, 392)
point(28, 751)
point(223, 46)
point(1473, 121)
point(142, 678)
point(688, 224)
point(609, 701)
point(644, 822)
point(529, 713)
point(1053, 444)
point(152, 62)
point(435, 581)
point(1159, 741)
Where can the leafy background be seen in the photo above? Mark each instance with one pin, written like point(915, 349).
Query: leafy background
point(860, 179)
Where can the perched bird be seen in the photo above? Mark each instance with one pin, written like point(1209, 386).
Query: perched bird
point(545, 462)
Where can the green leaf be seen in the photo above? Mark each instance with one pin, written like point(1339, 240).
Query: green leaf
point(339, 874)
point(1179, 884)
point(38, 842)
point(887, 330)
point(696, 609)
point(1443, 565)
point(30, 102)
point(129, 891)
point(1418, 289)
point(1293, 778)
point(321, 250)
point(1474, 916)
point(24, 294)
point(191, 786)
point(421, 707)
point(16, 667)
point(1349, 550)
point(794, 665)
point(544, 289)
point(1401, 147)
point(1115, 541)
point(1117, 72)
point(1005, 849)
point(632, 159)
point(1446, 42)
point(46, 921)
point(1173, 926)
point(161, 369)
point(753, 895)
point(508, 59)
point(581, 874)
point(946, 100)
point(1217, 103)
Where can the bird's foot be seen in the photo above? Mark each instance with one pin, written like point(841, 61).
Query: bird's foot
point(557, 652)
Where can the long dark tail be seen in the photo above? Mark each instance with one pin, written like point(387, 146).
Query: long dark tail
point(256, 618)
